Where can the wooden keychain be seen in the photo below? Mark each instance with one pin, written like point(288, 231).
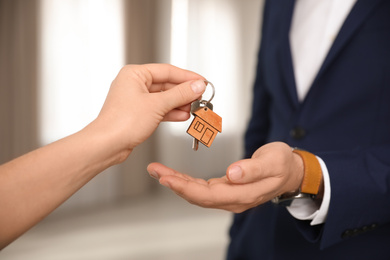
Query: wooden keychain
point(206, 123)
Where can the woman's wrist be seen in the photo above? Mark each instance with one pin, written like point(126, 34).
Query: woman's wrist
point(109, 144)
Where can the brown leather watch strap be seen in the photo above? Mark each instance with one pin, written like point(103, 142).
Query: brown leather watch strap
point(312, 172)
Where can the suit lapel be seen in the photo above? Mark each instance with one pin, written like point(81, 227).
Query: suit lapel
point(354, 20)
point(285, 52)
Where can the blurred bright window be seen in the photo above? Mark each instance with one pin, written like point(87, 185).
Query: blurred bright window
point(205, 37)
point(82, 50)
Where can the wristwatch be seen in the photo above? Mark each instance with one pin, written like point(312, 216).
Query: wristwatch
point(311, 180)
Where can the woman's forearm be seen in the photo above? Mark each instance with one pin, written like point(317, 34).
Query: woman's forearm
point(35, 184)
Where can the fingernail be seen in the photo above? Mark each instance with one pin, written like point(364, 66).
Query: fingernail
point(198, 86)
point(235, 173)
point(165, 183)
point(153, 174)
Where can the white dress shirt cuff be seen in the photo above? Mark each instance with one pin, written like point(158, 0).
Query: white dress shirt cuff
point(306, 209)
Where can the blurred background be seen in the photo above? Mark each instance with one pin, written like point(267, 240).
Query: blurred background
point(57, 61)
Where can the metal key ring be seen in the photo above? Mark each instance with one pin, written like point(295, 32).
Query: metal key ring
point(212, 96)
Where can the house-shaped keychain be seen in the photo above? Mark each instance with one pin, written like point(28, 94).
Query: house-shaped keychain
point(205, 126)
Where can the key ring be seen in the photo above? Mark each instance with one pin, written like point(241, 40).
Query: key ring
point(204, 102)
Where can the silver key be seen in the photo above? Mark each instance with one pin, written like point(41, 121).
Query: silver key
point(195, 144)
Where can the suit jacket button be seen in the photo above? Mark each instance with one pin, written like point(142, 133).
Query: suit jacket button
point(297, 133)
point(347, 233)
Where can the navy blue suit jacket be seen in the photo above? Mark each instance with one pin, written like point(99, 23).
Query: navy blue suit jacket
point(344, 119)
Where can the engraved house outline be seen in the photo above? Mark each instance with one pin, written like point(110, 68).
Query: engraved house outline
point(205, 126)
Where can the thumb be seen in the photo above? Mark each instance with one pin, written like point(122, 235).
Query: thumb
point(244, 171)
point(184, 93)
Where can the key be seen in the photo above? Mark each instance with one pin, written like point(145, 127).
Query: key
point(197, 104)
point(195, 144)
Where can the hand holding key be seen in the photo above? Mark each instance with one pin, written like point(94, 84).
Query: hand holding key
point(142, 96)
point(273, 170)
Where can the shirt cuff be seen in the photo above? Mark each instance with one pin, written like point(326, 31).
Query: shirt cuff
point(306, 209)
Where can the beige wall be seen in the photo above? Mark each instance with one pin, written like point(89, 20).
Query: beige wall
point(18, 77)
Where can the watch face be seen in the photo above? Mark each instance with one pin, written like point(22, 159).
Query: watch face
point(287, 198)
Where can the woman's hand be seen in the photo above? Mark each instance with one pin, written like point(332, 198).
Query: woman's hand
point(142, 96)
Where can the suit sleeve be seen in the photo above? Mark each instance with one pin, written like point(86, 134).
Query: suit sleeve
point(360, 201)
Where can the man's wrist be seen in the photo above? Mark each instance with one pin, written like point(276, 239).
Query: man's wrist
point(312, 184)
